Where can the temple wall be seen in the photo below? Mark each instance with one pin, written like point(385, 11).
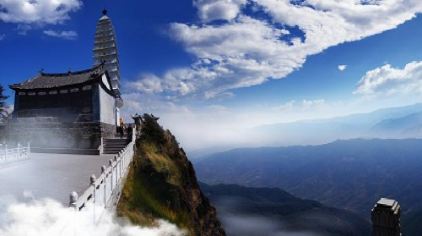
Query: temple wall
point(107, 107)
point(65, 120)
point(63, 105)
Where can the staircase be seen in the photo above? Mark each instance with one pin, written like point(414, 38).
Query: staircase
point(114, 145)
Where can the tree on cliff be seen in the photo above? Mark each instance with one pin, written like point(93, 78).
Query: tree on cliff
point(3, 107)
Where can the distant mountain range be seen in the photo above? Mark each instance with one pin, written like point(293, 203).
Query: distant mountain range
point(273, 212)
point(350, 174)
point(399, 122)
point(406, 125)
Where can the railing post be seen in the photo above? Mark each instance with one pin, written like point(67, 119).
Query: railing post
point(102, 145)
point(92, 180)
point(121, 166)
point(18, 155)
point(103, 172)
point(121, 154)
point(117, 169)
point(73, 199)
point(110, 163)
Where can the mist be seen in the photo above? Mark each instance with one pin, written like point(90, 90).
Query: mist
point(50, 218)
point(222, 130)
point(239, 225)
point(216, 128)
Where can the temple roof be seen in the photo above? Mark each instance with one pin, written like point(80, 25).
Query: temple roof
point(48, 80)
point(104, 17)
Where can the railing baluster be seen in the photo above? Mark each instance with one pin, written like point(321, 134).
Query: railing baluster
point(73, 199)
point(110, 163)
point(13, 154)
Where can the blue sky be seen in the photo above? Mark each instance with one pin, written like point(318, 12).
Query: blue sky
point(209, 68)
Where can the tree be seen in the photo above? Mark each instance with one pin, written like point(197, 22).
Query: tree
point(3, 107)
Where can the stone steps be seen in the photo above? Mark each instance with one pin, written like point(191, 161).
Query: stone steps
point(114, 146)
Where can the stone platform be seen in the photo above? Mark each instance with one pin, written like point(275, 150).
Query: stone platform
point(52, 176)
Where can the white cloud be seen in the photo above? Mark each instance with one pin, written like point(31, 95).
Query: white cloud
point(39, 11)
point(387, 80)
point(247, 51)
point(149, 83)
point(50, 218)
point(342, 67)
point(69, 35)
point(23, 29)
point(220, 126)
point(303, 106)
point(312, 103)
point(209, 10)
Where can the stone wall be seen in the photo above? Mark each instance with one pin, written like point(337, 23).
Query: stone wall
point(60, 137)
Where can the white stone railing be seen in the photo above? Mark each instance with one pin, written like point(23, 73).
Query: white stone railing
point(104, 191)
point(18, 153)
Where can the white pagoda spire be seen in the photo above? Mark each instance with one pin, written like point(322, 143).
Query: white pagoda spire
point(105, 49)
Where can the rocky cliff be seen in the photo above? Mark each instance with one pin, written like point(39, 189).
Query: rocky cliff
point(162, 184)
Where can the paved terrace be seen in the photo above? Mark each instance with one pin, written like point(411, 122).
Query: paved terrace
point(49, 175)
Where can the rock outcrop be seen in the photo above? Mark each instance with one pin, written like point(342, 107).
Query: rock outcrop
point(162, 184)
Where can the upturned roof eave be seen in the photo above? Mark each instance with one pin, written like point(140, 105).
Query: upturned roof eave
point(19, 87)
point(93, 73)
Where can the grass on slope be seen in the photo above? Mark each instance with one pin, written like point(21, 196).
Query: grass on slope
point(154, 187)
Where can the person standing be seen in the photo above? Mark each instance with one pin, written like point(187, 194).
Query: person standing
point(122, 127)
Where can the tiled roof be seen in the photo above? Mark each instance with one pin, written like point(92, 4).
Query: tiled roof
point(46, 80)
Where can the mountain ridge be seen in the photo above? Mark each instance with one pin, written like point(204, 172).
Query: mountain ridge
point(320, 131)
point(244, 211)
point(347, 174)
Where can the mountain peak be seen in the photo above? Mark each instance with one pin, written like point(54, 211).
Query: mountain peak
point(162, 184)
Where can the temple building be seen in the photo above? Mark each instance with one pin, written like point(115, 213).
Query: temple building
point(386, 218)
point(72, 112)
